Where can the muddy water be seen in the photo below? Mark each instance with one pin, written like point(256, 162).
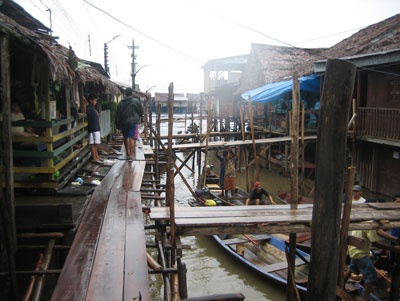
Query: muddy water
point(210, 269)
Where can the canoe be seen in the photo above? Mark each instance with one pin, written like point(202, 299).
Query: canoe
point(265, 254)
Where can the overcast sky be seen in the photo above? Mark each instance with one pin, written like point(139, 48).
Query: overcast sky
point(177, 37)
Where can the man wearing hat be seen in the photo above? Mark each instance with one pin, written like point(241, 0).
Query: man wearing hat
point(357, 198)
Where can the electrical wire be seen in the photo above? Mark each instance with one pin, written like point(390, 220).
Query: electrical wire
point(145, 35)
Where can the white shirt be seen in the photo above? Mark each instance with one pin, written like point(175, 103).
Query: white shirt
point(359, 201)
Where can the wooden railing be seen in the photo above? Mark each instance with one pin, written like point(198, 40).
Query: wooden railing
point(378, 123)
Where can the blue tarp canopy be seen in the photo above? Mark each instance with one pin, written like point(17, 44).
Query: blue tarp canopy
point(274, 91)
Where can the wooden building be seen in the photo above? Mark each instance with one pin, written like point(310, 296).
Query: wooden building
point(49, 83)
point(221, 80)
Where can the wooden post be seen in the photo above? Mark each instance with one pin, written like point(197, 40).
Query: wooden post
point(246, 158)
point(7, 206)
point(68, 109)
point(150, 101)
point(302, 136)
point(182, 270)
point(203, 182)
point(345, 225)
point(294, 168)
point(145, 118)
point(329, 176)
point(170, 193)
point(186, 109)
point(46, 98)
point(253, 138)
point(200, 134)
point(157, 144)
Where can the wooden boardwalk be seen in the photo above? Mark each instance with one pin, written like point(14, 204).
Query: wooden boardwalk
point(214, 144)
point(270, 219)
point(107, 260)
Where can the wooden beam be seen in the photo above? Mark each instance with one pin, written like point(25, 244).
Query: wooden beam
point(7, 206)
point(329, 174)
point(345, 225)
point(253, 140)
point(291, 292)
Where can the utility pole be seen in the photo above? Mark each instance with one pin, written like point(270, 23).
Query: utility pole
point(133, 70)
point(106, 58)
point(51, 21)
point(90, 47)
point(106, 68)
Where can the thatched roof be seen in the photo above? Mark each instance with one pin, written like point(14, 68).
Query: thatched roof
point(63, 63)
point(268, 63)
point(382, 36)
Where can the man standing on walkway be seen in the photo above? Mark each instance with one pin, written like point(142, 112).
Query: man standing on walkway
point(357, 198)
point(129, 112)
point(93, 128)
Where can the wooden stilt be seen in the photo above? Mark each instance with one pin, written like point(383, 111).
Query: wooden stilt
point(253, 138)
point(7, 206)
point(246, 159)
point(294, 164)
point(329, 177)
point(345, 225)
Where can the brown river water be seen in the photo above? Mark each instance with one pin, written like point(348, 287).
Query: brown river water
point(210, 270)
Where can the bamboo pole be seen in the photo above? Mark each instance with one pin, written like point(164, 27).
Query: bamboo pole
point(246, 159)
point(44, 266)
point(200, 134)
point(184, 163)
point(157, 141)
point(29, 290)
point(345, 225)
point(167, 284)
point(153, 263)
point(170, 193)
point(150, 101)
point(203, 177)
point(294, 164)
point(253, 138)
point(302, 136)
point(177, 169)
point(175, 287)
point(186, 109)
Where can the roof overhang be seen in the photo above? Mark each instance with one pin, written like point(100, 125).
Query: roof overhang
point(365, 60)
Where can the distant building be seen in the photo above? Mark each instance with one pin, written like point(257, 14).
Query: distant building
point(222, 79)
point(180, 102)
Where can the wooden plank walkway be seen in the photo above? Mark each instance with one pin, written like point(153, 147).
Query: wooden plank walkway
point(213, 144)
point(269, 219)
point(107, 259)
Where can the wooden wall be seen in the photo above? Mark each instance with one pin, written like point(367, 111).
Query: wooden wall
point(379, 171)
point(383, 90)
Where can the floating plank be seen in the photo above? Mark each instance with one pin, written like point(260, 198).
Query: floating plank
point(214, 144)
point(256, 237)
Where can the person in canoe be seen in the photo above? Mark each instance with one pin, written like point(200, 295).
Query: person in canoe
point(256, 194)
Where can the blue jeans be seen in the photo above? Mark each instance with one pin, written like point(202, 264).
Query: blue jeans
point(365, 267)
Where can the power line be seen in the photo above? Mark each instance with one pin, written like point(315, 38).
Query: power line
point(147, 36)
point(330, 35)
